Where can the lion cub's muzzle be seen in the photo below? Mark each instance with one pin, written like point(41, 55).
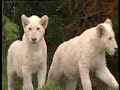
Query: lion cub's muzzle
point(34, 40)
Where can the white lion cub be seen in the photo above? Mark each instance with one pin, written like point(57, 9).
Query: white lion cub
point(82, 54)
point(29, 55)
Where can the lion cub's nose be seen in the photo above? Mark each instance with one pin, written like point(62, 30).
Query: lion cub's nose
point(33, 39)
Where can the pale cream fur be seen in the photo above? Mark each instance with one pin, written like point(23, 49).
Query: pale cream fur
point(82, 54)
point(29, 55)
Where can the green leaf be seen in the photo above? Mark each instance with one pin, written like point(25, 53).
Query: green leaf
point(11, 30)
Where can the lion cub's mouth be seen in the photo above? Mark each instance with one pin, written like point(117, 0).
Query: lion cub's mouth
point(110, 53)
point(34, 43)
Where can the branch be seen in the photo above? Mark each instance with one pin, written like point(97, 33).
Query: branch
point(70, 7)
point(75, 27)
point(79, 31)
point(90, 15)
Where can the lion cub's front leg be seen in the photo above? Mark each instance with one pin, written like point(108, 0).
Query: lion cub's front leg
point(27, 78)
point(104, 74)
point(41, 75)
point(85, 78)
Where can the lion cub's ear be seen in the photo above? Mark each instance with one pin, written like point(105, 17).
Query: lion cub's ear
point(44, 21)
point(108, 21)
point(100, 30)
point(24, 20)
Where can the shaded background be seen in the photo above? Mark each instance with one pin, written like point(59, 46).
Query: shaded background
point(67, 19)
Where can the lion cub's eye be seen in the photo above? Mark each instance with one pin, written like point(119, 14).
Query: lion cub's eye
point(30, 29)
point(110, 38)
point(38, 28)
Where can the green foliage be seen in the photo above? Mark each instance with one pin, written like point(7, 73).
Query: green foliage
point(4, 83)
point(18, 83)
point(115, 23)
point(55, 34)
point(53, 87)
point(11, 30)
point(105, 88)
